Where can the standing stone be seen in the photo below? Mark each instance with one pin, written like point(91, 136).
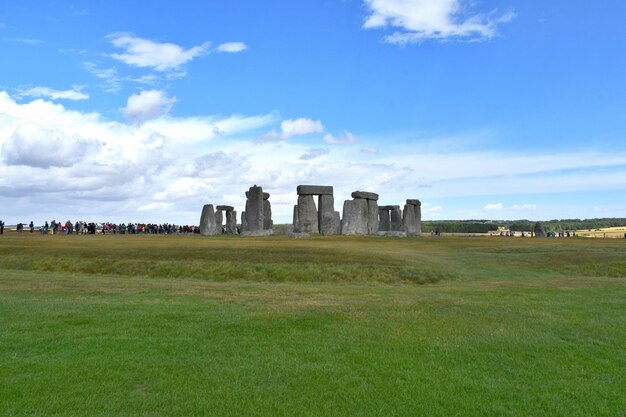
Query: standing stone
point(307, 214)
point(396, 219)
point(326, 214)
point(219, 219)
point(354, 217)
point(231, 221)
point(254, 209)
point(385, 221)
point(409, 220)
point(336, 223)
point(418, 217)
point(296, 220)
point(207, 220)
point(539, 230)
point(372, 216)
point(244, 221)
point(268, 224)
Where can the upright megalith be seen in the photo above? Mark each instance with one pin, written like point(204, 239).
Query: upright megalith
point(360, 215)
point(257, 219)
point(254, 209)
point(355, 217)
point(323, 219)
point(207, 220)
point(268, 223)
point(219, 220)
point(384, 217)
point(307, 215)
point(231, 221)
point(539, 230)
point(412, 219)
point(396, 219)
point(328, 218)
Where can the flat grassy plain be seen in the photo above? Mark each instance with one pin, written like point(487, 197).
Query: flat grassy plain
point(326, 326)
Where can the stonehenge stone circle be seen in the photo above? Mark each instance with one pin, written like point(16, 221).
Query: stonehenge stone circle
point(207, 220)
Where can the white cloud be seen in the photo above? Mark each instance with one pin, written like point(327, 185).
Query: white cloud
point(148, 104)
point(26, 41)
point(300, 127)
point(313, 153)
point(145, 53)
point(57, 162)
point(345, 138)
point(418, 20)
point(370, 150)
point(232, 47)
point(493, 207)
point(74, 94)
point(35, 146)
point(524, 207)
point(110, 76)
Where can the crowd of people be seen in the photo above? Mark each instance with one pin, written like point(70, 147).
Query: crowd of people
point(84, 228)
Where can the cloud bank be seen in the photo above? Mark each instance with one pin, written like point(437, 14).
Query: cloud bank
point(419, 20)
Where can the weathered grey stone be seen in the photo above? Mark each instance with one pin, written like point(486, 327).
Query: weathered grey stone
point(539, 230)
point(219, 219)
point(418, 218)
point(266, 196)
point(231, 221)
point(254, 209)
point(314, 190)
point(296, 220)
point(307, 214)
point(267, 215)
point(372, 217)
point(354, 217)
point(225, 208)
point(366, 195)
point(326, 214)
point(414, 202)
point(384, 219)
point(207, 220)
point(244, 221)
point(336, 223)
point(409, 220)
point(396, 219)
point(388, 208)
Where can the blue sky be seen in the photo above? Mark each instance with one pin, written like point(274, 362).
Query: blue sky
point(145, 111)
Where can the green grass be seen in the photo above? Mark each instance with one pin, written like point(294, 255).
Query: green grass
point(338, 326)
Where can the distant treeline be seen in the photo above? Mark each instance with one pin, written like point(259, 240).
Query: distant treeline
point(484, 226)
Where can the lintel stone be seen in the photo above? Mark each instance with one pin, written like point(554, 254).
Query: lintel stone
point(314, 190)
point(366, 195)
point(414, 202)
point(225, 208)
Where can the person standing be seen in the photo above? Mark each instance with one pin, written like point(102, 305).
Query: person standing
point(1, 227)
point(31, 225)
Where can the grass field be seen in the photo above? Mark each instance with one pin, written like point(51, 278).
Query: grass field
point(607, 232)
point(335, 326)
